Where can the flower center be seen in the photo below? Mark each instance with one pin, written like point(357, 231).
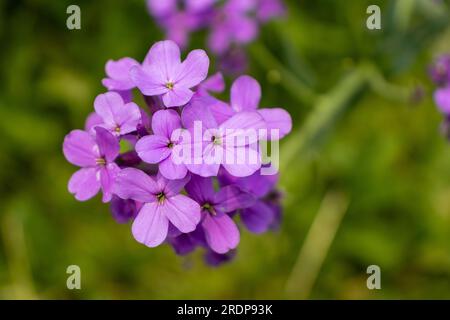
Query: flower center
point(161, 197)
point(117, 129)
point(215, 140)
point(169, 85)
point(100, 161)
point(170, 145)
point(210, 208)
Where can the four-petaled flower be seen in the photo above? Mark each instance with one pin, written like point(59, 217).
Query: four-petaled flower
point(163, 73)
point(118, 117)
point(163, 203)
point(96, 158)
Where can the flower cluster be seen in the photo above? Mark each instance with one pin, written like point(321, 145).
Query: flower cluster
point(440, 74)
point(230, 24)
point(185, 164)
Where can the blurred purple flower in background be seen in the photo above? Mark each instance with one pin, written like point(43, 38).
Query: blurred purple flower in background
point(231, 24)
point(440, 74)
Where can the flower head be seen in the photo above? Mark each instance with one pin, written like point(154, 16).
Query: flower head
point(158, 147)
point(440, 70)
point(221, 232)
point(95, 156)
point(162, 204)
point(163, 73)
point(118, 117)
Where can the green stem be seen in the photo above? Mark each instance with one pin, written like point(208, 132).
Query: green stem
point(299, 90)
point(323, 117)
point(316, 246)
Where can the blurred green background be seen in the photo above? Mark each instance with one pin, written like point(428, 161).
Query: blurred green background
point(365, 171)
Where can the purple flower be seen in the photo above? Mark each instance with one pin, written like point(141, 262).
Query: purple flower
point(180, 18)
point(157, 148)
point(229, 144)
point(118, 73)
point(440, 71)
point(119, 118)
point(118, 77)
point(96, 158)
point(162, 204)
point(442, 99)
point(221, 233)
point(233, 61)
point(269, 9)
point(163, 73)
point(233, 24)
point(245, 96)
point(160, 8)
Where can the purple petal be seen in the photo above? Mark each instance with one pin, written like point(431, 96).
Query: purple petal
point(258, 218)
point(160, 8)
point(216, 259)
point(178, 96)
point(92, 121)
point(123, 210)
point(127, 95)
point(244, 29)
point(135, 184)
point(221, 232)
point(193, 70)
point(183, 244)
point(219, 39)
point(183, 212)
point(276, 119)
point(170, 170)
point(243, 129)
point(149, 80)
point(244, 120)
point(164, 57)
point(128, 118)
point(118, 73)
point(442, 99)
point(171, 187)
point(214, 83)
point(269, 9)
point(198, 110)
point(220, 110)
point(245, 94)
point(80, 149)
point(106, 105)
point(153, 148)
point(116, 115)
point(242, 161)
point(231, 198)
point(108, 175)
point(200, 189)
point(164, 122)
point(207, 165)
point(151, 225)
point(257, 184)
point(108, 144)
point(199, 5)
point(84, 184)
